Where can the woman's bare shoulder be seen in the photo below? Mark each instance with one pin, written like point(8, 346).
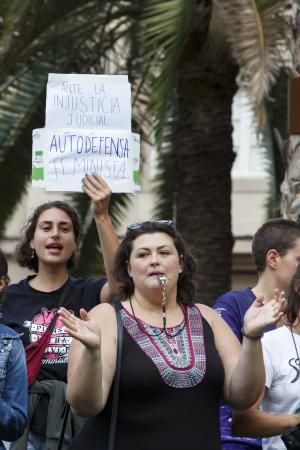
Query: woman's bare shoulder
point(103, 311)
point(207, 312)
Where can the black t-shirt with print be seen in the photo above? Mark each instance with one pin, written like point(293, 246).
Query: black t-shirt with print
point(30, 311)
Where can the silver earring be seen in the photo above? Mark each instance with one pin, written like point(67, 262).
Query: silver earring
point(32, 254)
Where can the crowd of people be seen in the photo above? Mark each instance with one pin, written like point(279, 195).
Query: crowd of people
point(141, 363)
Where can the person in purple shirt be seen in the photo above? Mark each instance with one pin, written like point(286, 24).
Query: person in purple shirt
point(276, 253)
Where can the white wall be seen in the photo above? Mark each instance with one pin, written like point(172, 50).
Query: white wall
point(249, 190)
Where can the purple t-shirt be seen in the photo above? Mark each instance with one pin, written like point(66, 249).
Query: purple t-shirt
point(232, 307)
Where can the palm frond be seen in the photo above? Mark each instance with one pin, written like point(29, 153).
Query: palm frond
point(25, 21)
point(15, 168)
point(164, 28)
point(87, 39)
point(19, 97)
point(21, 110)
point(260, 33)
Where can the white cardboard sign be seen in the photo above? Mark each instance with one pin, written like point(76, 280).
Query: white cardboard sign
point(88, 101)
point(62, 157)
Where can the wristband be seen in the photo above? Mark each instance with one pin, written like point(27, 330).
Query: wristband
point(253, 338)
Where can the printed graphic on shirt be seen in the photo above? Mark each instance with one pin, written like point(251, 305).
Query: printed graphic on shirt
point(295, 364)
point(58, 348)
point(219, 310)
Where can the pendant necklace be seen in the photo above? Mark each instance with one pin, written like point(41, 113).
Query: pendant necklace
point(295, 345)
point(174, 347)
point(296, 367)
point(162, 282)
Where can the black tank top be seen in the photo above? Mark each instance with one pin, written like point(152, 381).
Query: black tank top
point(163, 406)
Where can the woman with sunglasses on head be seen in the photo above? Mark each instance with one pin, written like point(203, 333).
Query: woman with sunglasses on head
point(49, 246)
point(178, 358)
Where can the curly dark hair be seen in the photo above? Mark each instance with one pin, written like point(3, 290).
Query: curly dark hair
point(185, 285)
point(293, 299)
point(24, 252)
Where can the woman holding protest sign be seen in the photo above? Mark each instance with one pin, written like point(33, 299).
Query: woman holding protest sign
point(49, 246)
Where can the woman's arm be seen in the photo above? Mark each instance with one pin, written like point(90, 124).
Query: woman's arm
point(256, 423)
point(243, 366)
point(14, 399)
point(92, 358)
point(99, 192)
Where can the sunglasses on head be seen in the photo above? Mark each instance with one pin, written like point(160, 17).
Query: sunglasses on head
point(136, 226)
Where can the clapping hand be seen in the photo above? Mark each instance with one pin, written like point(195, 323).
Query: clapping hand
point(261, 315)
point(84, 329)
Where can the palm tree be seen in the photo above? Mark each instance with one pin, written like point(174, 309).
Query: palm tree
point(182, 57)
point(290, 149)
point(218, 40)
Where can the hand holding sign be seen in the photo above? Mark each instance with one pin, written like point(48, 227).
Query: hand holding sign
point(99, 192)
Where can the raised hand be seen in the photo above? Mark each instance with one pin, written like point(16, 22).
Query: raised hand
point(99, 192)
point(84, 329)
point(260, 315)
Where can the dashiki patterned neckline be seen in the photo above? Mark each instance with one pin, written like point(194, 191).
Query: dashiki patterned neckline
point(181, 359)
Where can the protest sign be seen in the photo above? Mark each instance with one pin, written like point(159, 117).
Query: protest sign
point(62, 157)
point(88, 101)
point(88, 129)
point(136, 162)
point(38, 159)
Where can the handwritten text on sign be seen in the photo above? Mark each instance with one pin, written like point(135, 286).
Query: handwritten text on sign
point(88, 101)
point(70, 154)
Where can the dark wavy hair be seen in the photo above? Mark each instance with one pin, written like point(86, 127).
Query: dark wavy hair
point(293, 299)
point(185, 285)
point(3, 271)
point(277, 234)
point(24, 252)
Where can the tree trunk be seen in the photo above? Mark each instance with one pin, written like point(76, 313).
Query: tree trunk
point(277, 106)
point(290, 187)
point(204, 157)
